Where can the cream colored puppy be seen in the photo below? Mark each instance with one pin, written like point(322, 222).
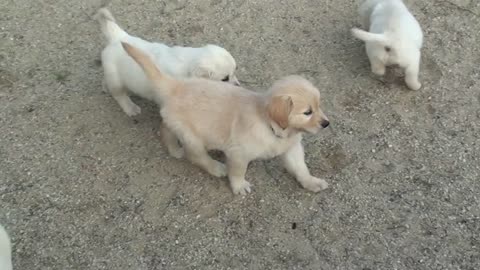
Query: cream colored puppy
point(123, 75)
point(5, 250)
point(395, 38)
point(205, 115)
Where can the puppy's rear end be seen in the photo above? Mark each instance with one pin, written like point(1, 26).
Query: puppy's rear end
point(109, 26)
point(394, 38)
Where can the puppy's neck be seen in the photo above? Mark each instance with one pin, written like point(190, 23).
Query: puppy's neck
point(278, 131)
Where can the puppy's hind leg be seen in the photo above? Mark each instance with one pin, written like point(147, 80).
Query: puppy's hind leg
point(411, 75)
point(122, 98)
point(104, 86)
point(378, 68)
point(171, 142)
point(294, 162)
point(197, 154)
point(237, 167)
point(119, 93)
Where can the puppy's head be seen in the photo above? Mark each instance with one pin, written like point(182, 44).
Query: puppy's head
point(293, 104)
point(215, 63)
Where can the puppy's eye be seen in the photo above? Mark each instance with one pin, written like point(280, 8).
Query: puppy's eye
point(387, 49)
point(226, 79)
point(309, 112)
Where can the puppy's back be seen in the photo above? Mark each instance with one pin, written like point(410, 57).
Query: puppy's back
point(211, 108)
point(5, 250)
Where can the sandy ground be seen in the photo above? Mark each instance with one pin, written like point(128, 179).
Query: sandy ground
point(85, 187)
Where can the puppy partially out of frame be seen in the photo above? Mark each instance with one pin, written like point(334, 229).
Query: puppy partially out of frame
point(5, 250)
point(123, 75)
point(205, 115)
point(395, 38)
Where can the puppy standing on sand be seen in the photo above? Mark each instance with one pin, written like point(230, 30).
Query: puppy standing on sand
point(5, 250)
point(122, 73)
point(207, 115)
point(395, 38)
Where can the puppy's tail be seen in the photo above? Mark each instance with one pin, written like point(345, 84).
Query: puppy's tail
point(164, 84)
point(5, 250)
point(367, 36)
point(109, 27)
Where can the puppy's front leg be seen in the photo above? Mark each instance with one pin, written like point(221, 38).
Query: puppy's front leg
point(294, 162)
point(237, 167)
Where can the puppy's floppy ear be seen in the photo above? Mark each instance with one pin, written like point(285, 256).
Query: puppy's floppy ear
point(279, 108)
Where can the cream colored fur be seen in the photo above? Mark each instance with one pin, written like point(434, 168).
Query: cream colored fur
point(205, 115)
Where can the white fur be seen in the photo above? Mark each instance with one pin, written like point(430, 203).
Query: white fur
point(391, 26)
point(123, 75)
point(5, 250)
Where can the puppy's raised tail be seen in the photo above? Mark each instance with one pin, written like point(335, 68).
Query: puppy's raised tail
point(5, 250)
point(164, 84)
point(108, 25)
point(367, 36)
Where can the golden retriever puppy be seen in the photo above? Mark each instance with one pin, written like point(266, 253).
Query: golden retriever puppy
point(210, 115)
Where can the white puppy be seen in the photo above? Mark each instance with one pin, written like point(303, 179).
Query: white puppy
point(5, 250)
point(123, 74)
point(395, 38)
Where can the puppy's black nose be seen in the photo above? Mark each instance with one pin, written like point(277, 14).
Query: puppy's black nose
point(325, 123)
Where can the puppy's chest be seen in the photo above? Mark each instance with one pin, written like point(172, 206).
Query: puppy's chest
point(272, 147)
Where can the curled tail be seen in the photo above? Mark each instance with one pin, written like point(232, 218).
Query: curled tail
point(369, 37)
point(164, 84)
point(109, 27)
point(5, 250)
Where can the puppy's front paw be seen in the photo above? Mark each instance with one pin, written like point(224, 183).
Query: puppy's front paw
point(240, 187)
point(218, 169)
point(315, 184)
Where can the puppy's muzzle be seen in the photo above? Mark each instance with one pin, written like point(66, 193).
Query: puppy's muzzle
point(325, 123)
